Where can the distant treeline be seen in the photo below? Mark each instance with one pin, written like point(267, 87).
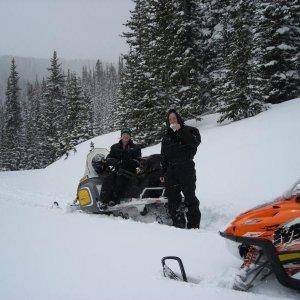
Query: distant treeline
point(233, 57)
point(50, 117)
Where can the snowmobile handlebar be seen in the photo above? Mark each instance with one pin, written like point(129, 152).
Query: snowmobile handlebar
point(179, 261)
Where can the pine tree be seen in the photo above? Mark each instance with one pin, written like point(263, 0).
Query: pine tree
point(77, 114)
point(86, 83)
point(44, 143)
point(237, 93)
point(138, 101)
point(163, 66)
point(213, 21)
point(2, 122)
point(12, 138)
point(25, 113)
point(109, 118)
point(278, 38)
point(54, 113)
point(33, 128)
point(185, 57)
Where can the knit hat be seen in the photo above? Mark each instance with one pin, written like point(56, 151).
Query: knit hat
point(126, 130)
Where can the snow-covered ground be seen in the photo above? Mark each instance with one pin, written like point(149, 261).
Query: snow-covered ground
point(50, 254)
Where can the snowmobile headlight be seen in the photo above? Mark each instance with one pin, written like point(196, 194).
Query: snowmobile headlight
point(84, 197)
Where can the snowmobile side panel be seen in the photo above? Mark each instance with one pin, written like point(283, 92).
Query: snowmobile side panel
point(270, 251)
point(289, 257)
point(88, 194)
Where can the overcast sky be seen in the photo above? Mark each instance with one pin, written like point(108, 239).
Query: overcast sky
point(75, 28)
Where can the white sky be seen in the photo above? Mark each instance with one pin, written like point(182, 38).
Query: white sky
point(75, 28)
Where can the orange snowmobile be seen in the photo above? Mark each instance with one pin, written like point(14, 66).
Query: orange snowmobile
point(269, 237)
point(269, 242)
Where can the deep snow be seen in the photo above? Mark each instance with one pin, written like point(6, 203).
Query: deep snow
point(50, 254)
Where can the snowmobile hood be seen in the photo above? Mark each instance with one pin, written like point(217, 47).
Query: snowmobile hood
point(262, 221)
point(275, 229)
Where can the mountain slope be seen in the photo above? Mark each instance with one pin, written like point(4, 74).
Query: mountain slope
point(49, 254)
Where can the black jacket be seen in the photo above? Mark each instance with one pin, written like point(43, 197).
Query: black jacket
point(179, 146)
point(127, 155)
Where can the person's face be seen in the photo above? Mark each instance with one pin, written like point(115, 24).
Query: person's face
point(125, 137)
point(173, 119)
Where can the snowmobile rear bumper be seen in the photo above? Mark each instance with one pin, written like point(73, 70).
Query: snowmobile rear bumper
point(271, 253)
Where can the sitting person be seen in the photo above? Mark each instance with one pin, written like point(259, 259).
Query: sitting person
point(126, 154)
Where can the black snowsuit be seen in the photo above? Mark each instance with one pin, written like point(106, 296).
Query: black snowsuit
point(126, 159)
point(178, 150)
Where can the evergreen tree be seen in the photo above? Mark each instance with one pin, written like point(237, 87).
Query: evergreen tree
point(12, 138)
point(240, 100)
point(163, 66)
point(109, 118)
point(99, 98)
point(103, 92)
point(277, 40)
point(54, 113)
point(213, 24)
point(77, 114)
point(132, 105)
point(185, 57)
point(86, 83)
point(2, 122)
point(33, 128)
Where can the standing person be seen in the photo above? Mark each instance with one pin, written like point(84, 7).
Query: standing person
point(178, 149)
point(126, 153)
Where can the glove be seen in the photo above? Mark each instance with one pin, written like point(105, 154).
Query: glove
point(112, 169)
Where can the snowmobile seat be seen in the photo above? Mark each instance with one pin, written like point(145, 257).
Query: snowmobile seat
point(151, 163)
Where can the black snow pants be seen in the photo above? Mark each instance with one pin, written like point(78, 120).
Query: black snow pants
point(181, 177)
point(112, 188)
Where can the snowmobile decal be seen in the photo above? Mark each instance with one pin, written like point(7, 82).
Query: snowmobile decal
point(289, 257)
point(253, 234)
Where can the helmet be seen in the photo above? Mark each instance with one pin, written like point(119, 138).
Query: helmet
point(99, 163)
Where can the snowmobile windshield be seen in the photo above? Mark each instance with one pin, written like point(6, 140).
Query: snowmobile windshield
point(296, 190)
point(293, 191)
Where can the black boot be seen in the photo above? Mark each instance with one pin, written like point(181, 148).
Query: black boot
point(193, 216)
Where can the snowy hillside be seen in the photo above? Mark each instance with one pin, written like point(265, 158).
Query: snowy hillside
point(50, 254)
